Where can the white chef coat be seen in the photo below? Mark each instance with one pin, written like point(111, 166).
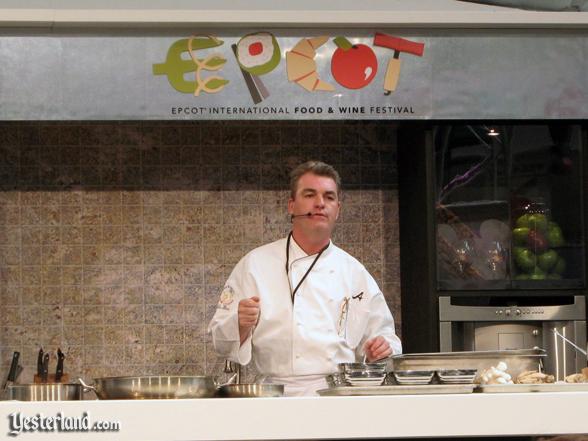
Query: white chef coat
point(336, 310)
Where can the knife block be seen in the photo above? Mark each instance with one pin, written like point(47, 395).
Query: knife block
point(51, 379)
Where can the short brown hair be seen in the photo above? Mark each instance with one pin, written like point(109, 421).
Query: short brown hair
point(318, 168)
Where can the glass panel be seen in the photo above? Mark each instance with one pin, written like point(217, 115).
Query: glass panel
point(509, 206)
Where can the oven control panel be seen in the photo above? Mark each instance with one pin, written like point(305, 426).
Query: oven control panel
point(511, 313)
point(449, 312)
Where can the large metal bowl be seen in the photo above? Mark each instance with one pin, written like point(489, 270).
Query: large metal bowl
point(45, 392)
point(153, 387)
point(256, 390)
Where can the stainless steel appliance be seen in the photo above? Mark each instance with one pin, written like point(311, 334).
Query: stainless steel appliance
point(510, 325)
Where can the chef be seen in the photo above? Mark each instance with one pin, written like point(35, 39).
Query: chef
point(297, 307)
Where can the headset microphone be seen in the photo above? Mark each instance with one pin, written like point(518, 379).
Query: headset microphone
point(292, 216)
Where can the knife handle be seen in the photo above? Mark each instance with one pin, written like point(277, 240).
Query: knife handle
point(12, 372)
point(45, 372)
point(40, 363)
point(13, 366)
point(59, 370)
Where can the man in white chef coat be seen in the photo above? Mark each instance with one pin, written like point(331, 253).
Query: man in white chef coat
point(299, 306)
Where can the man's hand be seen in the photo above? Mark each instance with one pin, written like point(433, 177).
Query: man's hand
point(248, 314)
point(377, 348)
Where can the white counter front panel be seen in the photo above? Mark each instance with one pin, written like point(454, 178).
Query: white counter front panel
point(310, 418)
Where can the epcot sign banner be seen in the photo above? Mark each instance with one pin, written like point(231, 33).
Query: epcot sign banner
point(352, 66)
point(295, 74)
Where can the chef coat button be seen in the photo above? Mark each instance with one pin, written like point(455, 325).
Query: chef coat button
point(297, 355)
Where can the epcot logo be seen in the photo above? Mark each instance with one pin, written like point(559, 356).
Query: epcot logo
point(353, 66)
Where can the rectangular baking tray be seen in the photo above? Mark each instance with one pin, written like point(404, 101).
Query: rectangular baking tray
point(525, 388)
point(516, 360)
point(424, 389)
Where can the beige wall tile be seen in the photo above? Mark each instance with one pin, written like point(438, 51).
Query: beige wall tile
point(71, 254)
point(91, 234)
point(10, 295)
point(72, 335)
point(73, 315)
point(72, 295)
point(30, 275)
point(134, 314)
point(71, 235)
point(31, 255)
point(93, 315)
point(72, 275)
point(10, 255)
point(114, 315)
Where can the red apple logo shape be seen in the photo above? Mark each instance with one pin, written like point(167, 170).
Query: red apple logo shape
point(353, 65)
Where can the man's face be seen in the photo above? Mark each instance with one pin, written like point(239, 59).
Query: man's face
point(317, 195)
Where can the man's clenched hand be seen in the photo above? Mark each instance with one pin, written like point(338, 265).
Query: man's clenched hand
point(248, 314)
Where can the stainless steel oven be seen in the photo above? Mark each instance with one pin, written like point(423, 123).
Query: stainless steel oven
point(503, 324)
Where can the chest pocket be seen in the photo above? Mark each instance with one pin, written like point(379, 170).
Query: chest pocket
point(356, 323)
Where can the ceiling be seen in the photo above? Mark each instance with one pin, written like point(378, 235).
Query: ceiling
point(294, 13)
point(538, 5)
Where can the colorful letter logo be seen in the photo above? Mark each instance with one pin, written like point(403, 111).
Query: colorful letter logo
point(175, 67)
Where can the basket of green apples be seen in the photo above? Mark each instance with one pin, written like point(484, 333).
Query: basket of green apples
point(535, 239)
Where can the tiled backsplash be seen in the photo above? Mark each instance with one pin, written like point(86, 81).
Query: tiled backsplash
point(116, 237)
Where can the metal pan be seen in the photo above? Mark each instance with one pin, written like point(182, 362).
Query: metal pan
point(517, 360)
point(153, 387)
point(45, 392)
point(255, 390)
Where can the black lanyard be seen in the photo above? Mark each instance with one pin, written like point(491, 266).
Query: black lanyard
point(293, 293)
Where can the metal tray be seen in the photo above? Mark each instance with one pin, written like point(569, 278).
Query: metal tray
point(424, 389)
point(517, 360)
point(524, 388)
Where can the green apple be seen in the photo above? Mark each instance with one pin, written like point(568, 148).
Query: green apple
point(554, 235)
point(537, 221)
point(524, 258)
point(523, 221)
point(522, 276)
point(537, 274)
point(520, 234)
point(560, 266)
point(547, 260)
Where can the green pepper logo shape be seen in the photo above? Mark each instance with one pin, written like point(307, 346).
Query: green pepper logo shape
point(175, 67)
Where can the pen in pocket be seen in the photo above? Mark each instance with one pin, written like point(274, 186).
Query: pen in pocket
point(342, 323)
